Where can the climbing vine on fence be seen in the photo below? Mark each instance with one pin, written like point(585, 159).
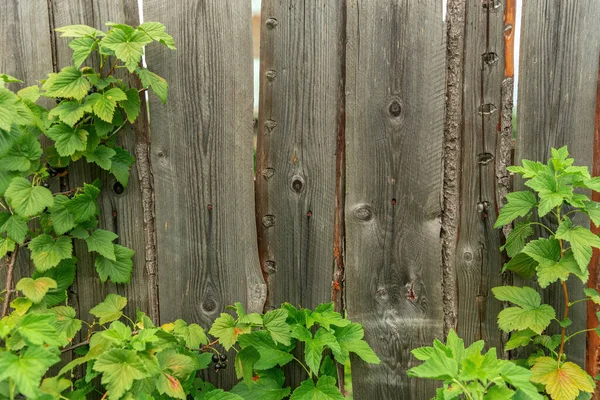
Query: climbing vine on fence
point(124, 358)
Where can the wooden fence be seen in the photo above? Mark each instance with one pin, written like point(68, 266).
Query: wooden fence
point(384, 136)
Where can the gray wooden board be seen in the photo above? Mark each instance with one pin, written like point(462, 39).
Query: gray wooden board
point(202, 161)
point(560, 42)
point(297, 145)
point(24, 54)
point(301, 64)
point(478, 259)
point(120, 213)
point(394, 131)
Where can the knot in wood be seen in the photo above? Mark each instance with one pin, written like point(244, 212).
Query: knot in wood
point(468, 256)
point(491, 4)
point(268, 221)
point(270, 267)
point(209, 305)
point(482, 206)
point(268, 173)
point(487, 109)
point(271, 75)
point(484, 158)
point(490, 58)
point(270, 125)
point(395, 109)
point(297, 183)
point(118, 188)
point(363, 213)
point(272, 23)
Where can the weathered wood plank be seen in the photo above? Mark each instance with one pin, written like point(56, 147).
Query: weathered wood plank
point(300, 96)
point(394, 131)
point(202, 161)
point(478, 260)
point(557, 83)
point(120, 212)
point(24, 54)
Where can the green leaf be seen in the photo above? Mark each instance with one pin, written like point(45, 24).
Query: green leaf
point(549, 273)
point(562, 381)
point(314, 346)
point(64, 275)
point(244, 364)
point(192, 334)
point(581, 239)
point(120, 368)
point(68, 83)
point(519, 377)
point(62, 219)
point(83, 207)
point(111, 309)
point(39, 329)
point(519, 338)
point(224, 328)
point(82, 48)
point(102, 156)
point(66, 321)
point(274, 323)
point(516, 238)
point(325, 389)
point(219, 394)
point(592, 209)
point(119, 270)
point(151, 80)
point(263, 389)
point(530, 313)
point(70, 111)
point(54, 159)
point(101, 241)
point(47, 252)
point(27, 370)
point(67, 139)
point(78, 31)
point(15, 227)
point(28, 200)
point(8, 109)
point(350, 340)
point(131, 105)
point(127, 46)
point(36, 289)
point(519, 204)
point(156, 31)
point(104, 104)
point(592, 294)
point(270, 353)
point(120, 164)
point(6, 245)
point(170, 386)
point(23, 155)
point(521, 264)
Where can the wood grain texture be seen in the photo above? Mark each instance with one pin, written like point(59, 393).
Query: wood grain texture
point(296, 154)
point(394, 132)
point(120, 213)
point(478, 260)
point(557, 84)
point(202, 162)
point(25, 54)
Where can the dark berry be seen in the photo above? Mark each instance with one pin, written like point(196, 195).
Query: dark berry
point(223, 365)
point(46, 185)
point(118, 188)
point(215, 358)
point(223, 357)
point(218, 365)
point(60, 170)
point(52, 171)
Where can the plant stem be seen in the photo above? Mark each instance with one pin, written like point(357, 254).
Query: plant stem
point(303, 366)
point(579, 301)
point(463, 388)
point(565, 316)
point(104, 396)
point(579, 332)
point(110, 71)
point(544, 226)
point(75, 346)
point(9, 280)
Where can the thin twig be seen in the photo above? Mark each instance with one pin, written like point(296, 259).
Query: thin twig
point(75, 346)
point(105, 395)
point(9, 278)
point(208, 346)
point(110, 71)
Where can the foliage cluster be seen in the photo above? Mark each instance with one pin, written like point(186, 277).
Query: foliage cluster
point(124, 358)
point(560, 250)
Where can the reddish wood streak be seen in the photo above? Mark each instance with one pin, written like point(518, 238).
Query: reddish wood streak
point(509, 38)
point(593, 342)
